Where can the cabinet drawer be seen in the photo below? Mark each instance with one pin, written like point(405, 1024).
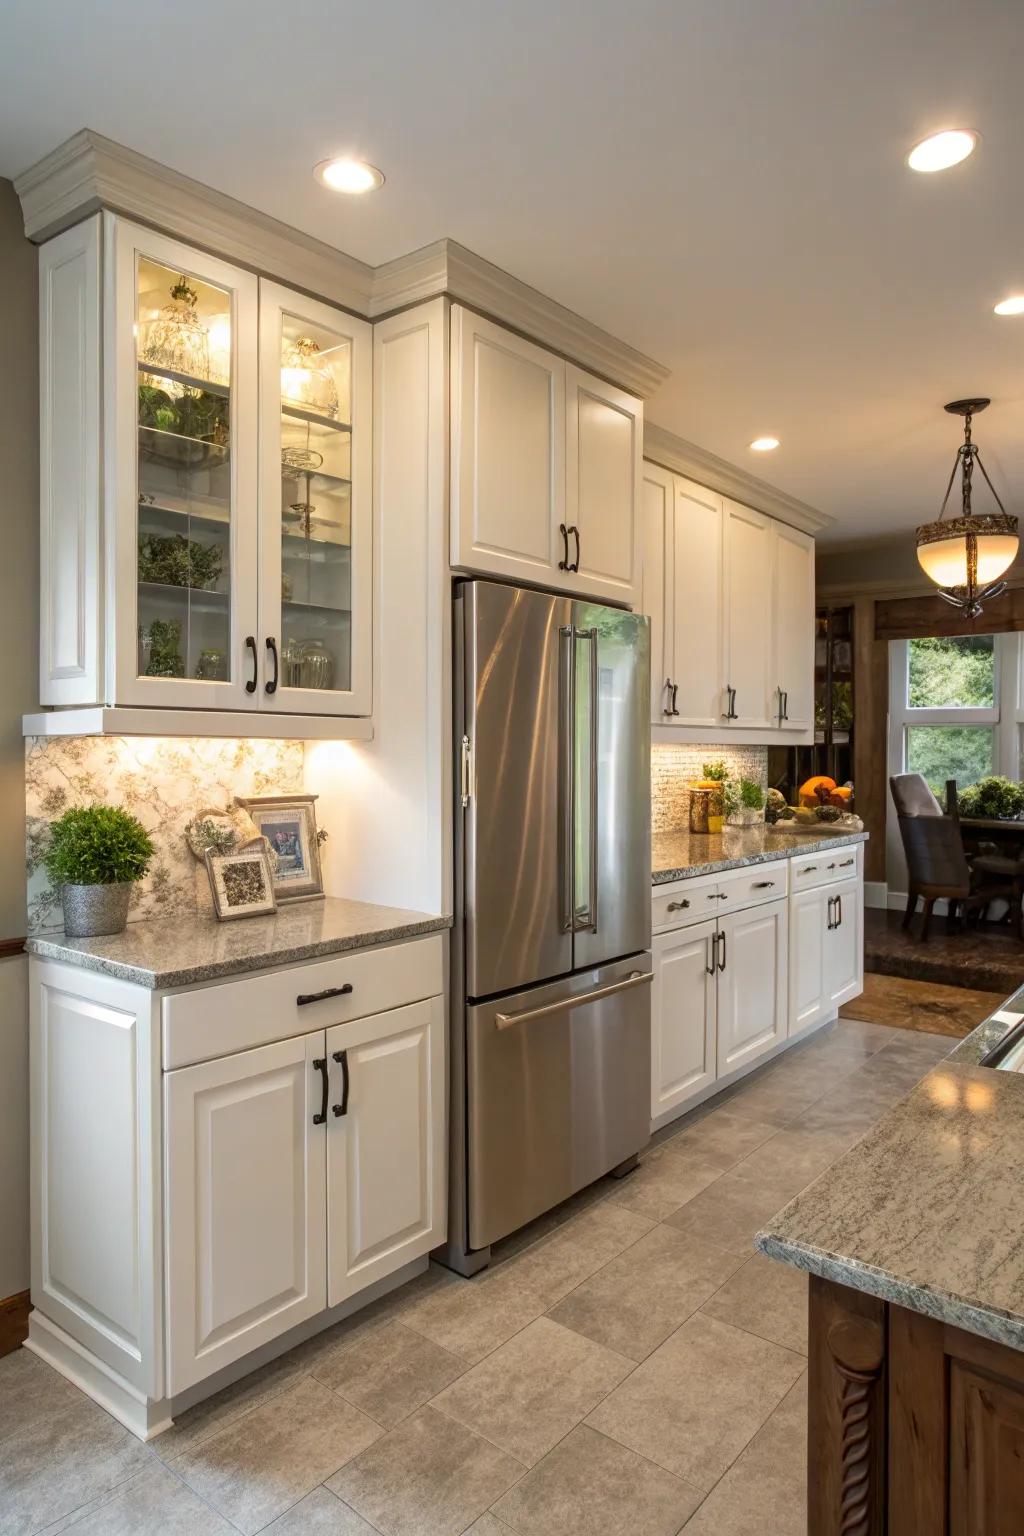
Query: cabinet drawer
point(238, 1015)
point(684, 902)
point(822, 868)
point(750, 887)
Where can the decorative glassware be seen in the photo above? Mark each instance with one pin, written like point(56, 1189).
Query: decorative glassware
point(177, 339)
point(700, 806)
point(305, 383)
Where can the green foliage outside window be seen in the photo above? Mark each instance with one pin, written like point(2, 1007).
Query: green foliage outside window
point(952, 672)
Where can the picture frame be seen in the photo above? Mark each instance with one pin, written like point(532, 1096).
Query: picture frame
point(288, 824)
point(242, 883)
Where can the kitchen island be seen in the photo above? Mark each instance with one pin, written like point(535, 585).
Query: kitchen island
point(915, 1246)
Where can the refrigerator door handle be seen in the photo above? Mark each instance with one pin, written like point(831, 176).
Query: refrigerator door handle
point(567, 756)
point(589, 923)
point(578, 1000)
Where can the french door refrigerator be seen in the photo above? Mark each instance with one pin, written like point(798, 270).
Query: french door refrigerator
point(551, 1034)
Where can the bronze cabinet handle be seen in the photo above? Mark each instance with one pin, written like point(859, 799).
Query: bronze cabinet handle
point(677, 906)
point(563, 564)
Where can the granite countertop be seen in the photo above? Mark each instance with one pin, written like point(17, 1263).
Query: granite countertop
point(927, 1210)
point(678, 855)
point(183, 950)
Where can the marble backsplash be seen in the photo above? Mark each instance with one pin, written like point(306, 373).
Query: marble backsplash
point(163, 781)
point(673, 768)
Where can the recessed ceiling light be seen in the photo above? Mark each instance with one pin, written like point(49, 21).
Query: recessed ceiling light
point(941, 150)
point(764, 444)
point(1014, 305)
point(347, 175)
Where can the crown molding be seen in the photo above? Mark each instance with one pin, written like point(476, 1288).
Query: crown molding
point(89, 172)
point(684, 458)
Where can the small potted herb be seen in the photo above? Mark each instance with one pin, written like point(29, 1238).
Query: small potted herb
point(95, 855)
point(744, 802)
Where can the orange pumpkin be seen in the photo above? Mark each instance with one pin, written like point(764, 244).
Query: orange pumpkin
point(842, 796)
point(809, 790)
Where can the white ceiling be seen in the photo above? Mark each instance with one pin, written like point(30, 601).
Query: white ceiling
point(718, 182)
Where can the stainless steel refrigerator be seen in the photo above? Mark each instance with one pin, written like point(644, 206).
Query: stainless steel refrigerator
point(551, 1039)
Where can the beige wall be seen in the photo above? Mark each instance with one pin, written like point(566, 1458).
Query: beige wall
point(19, 626)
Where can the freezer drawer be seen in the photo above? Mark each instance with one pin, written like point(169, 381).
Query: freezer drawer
point(558, 1092)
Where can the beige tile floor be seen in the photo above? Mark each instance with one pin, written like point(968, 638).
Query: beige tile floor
point(628, 1367)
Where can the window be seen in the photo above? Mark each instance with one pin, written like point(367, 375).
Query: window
point(958, 672)
point(941, 752)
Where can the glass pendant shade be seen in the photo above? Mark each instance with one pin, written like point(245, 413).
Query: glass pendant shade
point(305, 383)
point(177, 339)
point(944, 554)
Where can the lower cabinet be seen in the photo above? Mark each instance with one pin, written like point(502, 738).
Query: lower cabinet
point(826, 951)
point(296, 1175)
point(752, 984)
point(683, 1015)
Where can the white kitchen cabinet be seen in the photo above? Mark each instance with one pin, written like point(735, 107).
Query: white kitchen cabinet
point(245, 1192)
point(683, 1016)
point(206, 520)
point(844, 947)
point(545, 476)
point(826, 951)
point(656, 514)
point(748, 615)
point(793, 628)
point(385, 1159)
point(604, 445)
point(752, 984)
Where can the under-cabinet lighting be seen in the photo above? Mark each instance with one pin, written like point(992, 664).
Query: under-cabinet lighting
point(347, 175)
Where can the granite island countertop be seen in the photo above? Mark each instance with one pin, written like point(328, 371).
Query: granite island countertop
point(927, 1209)
point(679, 855)
point(185, 949)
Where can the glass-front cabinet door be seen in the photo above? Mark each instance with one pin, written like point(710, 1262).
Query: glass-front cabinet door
point(315, 516)
point(185, 446)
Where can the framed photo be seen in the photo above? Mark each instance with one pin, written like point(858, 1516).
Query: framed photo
point(288, 822)
point(242, 883)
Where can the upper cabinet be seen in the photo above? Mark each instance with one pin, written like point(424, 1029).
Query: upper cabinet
point(545, 467)
point(730, 595)
point(230, 530)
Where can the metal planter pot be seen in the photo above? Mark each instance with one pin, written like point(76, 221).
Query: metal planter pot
point(90, 910)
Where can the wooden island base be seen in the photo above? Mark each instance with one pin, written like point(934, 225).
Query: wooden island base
point(916, 1428)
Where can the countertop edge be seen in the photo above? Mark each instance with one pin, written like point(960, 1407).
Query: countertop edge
point(159, 981)
point(942, 1306)
point(667, 875)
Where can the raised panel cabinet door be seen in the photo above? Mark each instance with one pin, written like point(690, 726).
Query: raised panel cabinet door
point(316, 522)
point(507, 453)
point(752, 984)
point(794, 628)
point(604, 447)
point(656, 512)
point(385, 1145)
point(697, 605)
point(986, 1453)
point(683, 1057)
point(180, 473)
point(95, 1097)
point(844, 946)
point(746, 699)
point(245, 1172)
point(808, 982)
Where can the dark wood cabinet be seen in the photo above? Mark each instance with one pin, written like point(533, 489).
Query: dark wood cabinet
point(916, 1428)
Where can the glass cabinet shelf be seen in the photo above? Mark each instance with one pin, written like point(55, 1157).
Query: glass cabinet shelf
point(188, 380)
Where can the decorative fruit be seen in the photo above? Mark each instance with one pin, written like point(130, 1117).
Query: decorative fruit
point(776, 798)
point(786, 812)
point(811, 790)
point(827, 813)
point(803, 814)
point(842, 796)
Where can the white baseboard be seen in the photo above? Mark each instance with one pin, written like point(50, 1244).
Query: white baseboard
point(876, 894)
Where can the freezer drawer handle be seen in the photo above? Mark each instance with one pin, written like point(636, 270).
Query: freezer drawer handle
point(564, 1004)
point(304, 998)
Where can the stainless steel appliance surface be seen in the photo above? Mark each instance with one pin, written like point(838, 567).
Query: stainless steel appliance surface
point(551, 970)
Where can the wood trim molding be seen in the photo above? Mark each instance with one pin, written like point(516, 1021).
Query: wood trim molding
point(9, 947)
point(909, 618)
point(683, 458)
point(89, 171)
point(848, 1431)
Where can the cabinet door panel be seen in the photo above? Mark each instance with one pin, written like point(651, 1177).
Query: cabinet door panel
point(748, 615)
point(844, 946)
point(604, 430)
point(697, 605)
point(385, 1154)
point(508, 452)
point(181, 474)
point(794, 628)
point(245, 1176)
point(808, 988)
point(316, 525)
point(752, 985)
point(656, 584)
point(986, 1445)
point(683, 1058)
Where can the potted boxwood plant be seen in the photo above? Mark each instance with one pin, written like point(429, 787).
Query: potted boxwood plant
point(95, 855)
point(744, 802)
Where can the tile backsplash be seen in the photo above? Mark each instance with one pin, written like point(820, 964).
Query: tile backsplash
point(163, 781)
point(673, 768)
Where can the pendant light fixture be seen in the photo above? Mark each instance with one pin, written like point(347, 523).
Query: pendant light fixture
point(965, 556)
